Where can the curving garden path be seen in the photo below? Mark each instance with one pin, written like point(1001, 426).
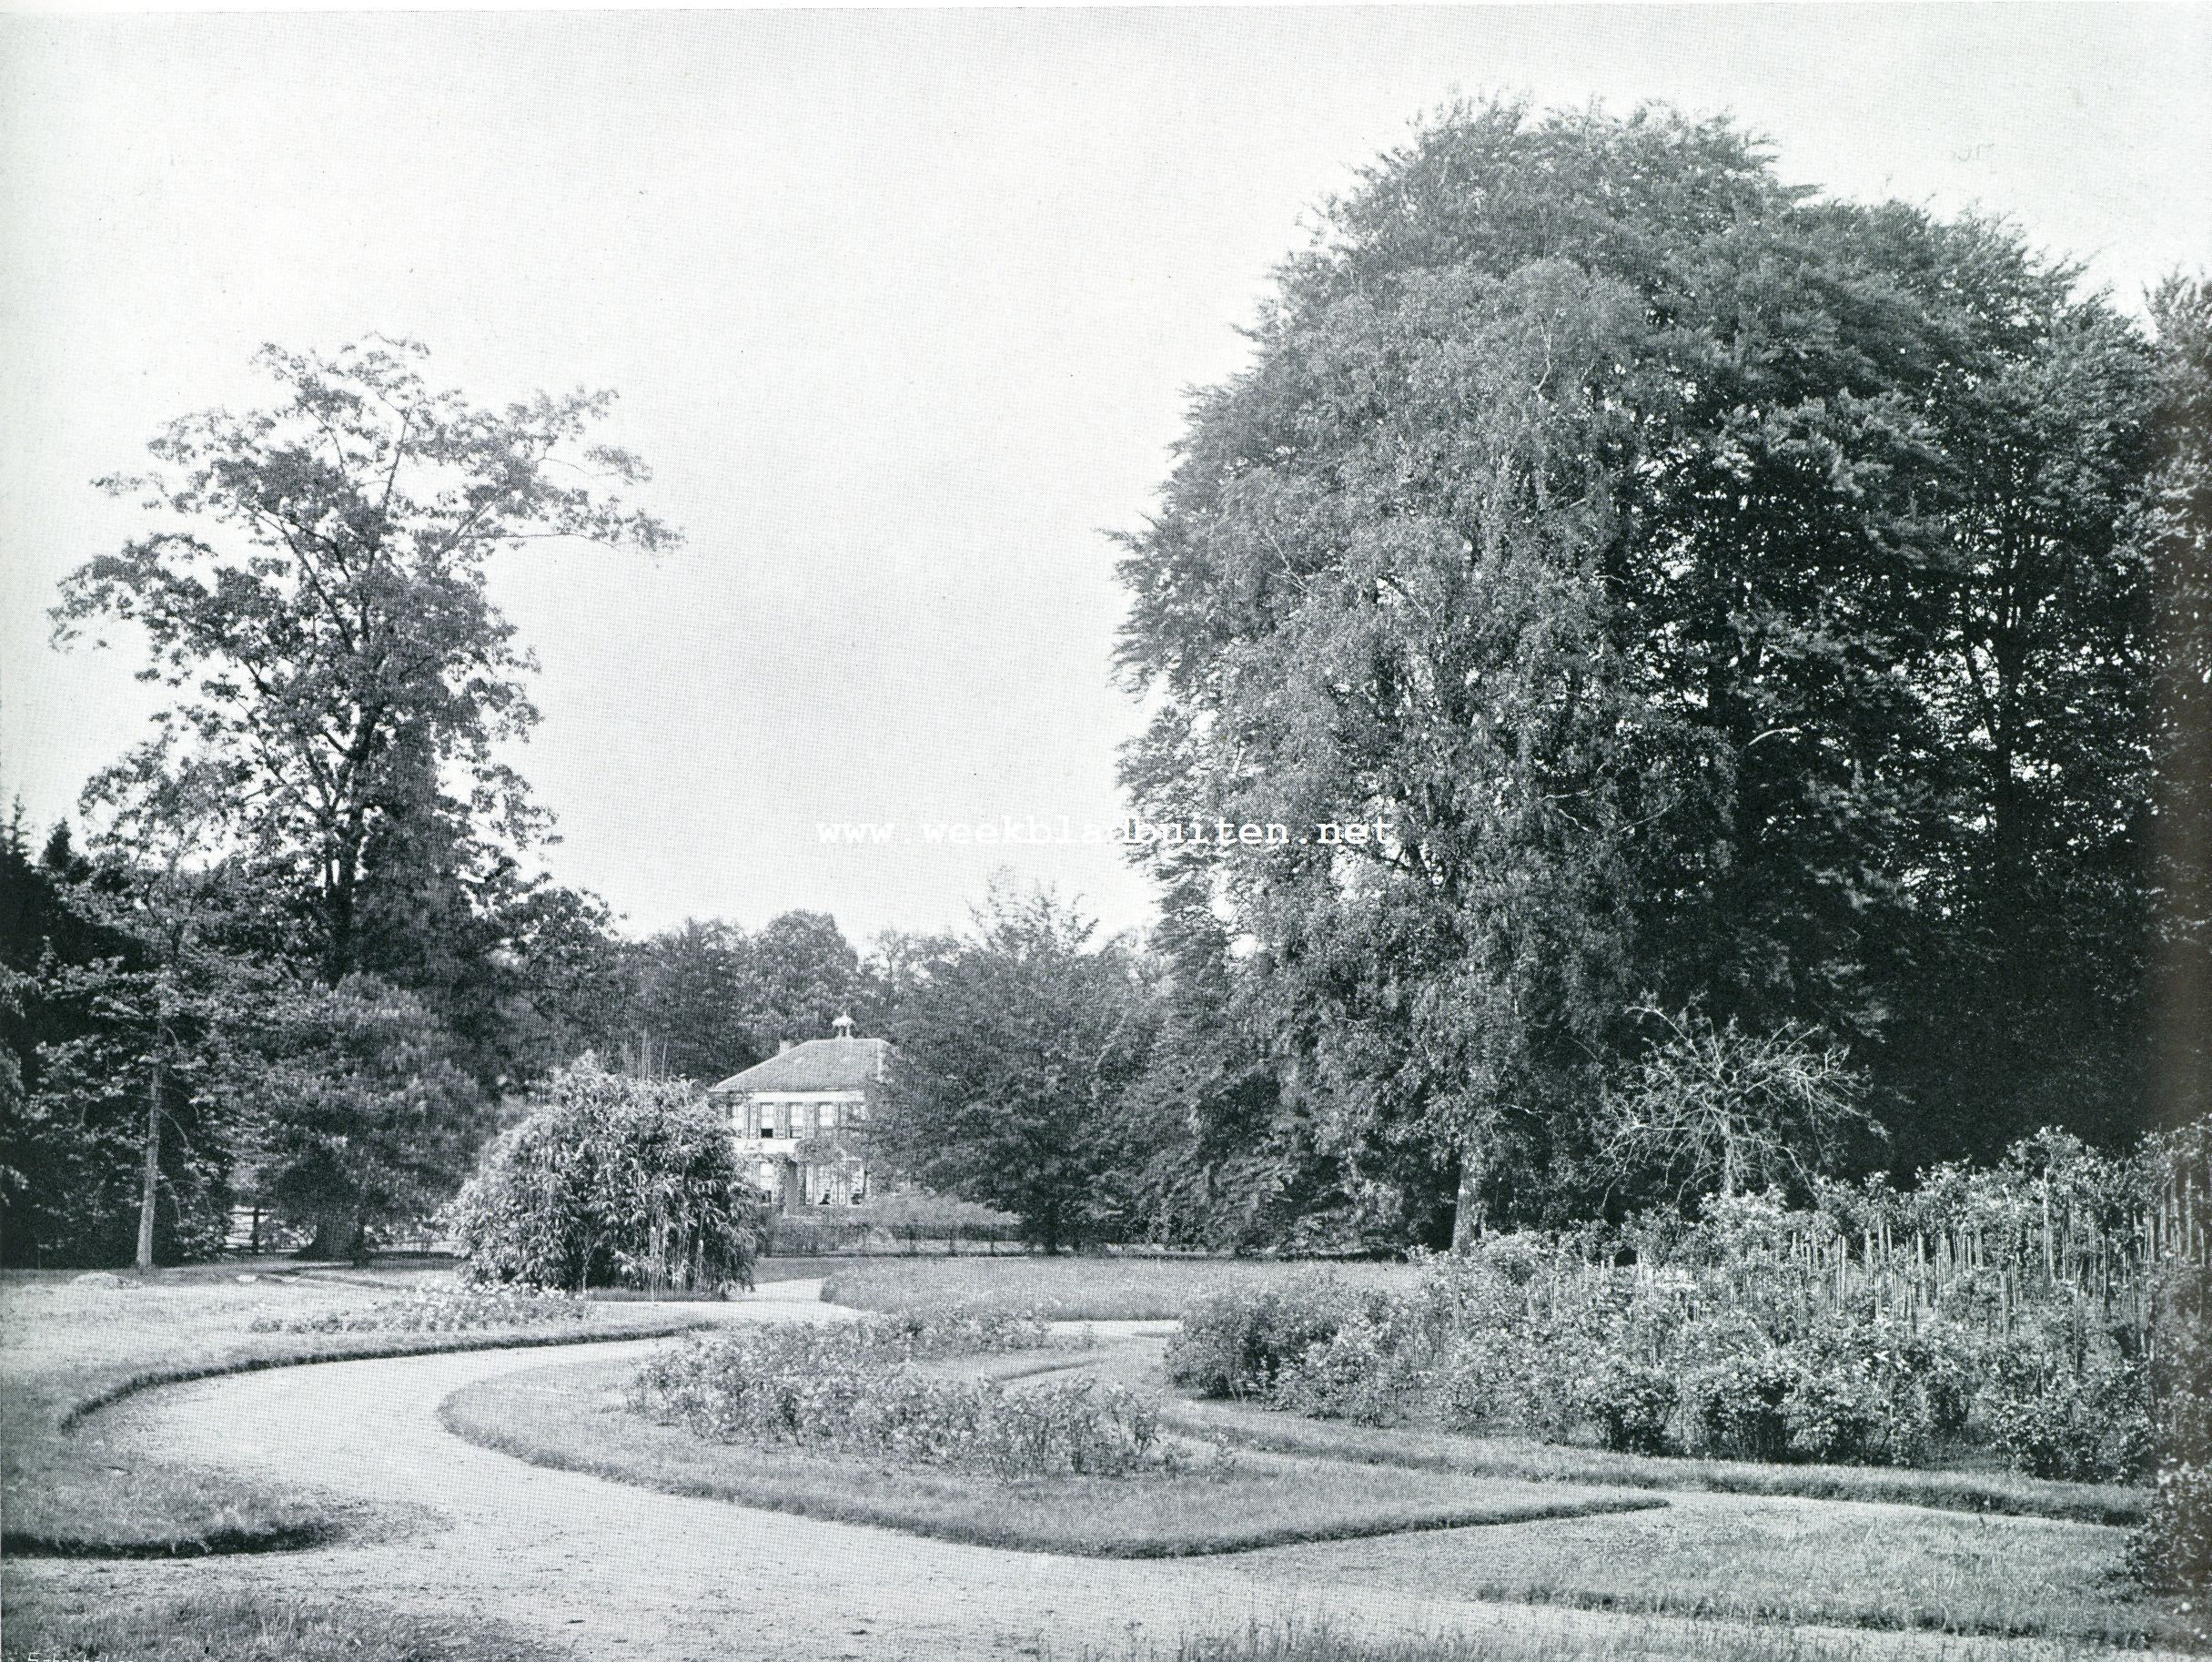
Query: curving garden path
point(601, 1569)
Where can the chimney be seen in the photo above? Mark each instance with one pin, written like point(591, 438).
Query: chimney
point(842, 1027)
point(783, 1045)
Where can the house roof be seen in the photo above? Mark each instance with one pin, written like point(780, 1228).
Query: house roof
point(817, 1064)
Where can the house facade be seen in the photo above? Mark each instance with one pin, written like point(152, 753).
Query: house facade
point(797, 1117)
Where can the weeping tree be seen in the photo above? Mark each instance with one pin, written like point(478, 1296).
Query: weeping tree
point(612, 1180)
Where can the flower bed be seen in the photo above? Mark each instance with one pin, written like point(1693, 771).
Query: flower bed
point(851, 1388)
point(1719, 1350)
point(441, 1311)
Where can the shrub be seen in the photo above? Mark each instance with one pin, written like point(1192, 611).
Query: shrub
point(1836, 1417)
point(1370, 1371)
point(849, 1388)
point(1632, 1408)
point(1477, 1385)
point(2171, 1550)
point(1238, 1343)
point(2087, 1425)
point(613, 1180)
point(1737, 1407)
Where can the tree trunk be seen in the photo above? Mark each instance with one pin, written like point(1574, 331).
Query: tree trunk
point(338, 1234)
point(1467, 1205)
point(151, 1188)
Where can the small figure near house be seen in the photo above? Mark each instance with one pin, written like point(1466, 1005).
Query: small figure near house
point(797, 1116)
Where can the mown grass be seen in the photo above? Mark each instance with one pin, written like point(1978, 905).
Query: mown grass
point(572, 1416)
point(68, 1348)
point(1292, 1640)
point(50, 1624)
point(1074, 1289)
point(1718, 1552)
point(1787, 1562)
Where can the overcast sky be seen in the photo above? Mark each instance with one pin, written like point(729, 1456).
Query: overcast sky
point(901, 308)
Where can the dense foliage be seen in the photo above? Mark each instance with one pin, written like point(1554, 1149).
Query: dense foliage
point(612, 1180)
point(300, 953)
point(708, 998)
point(2027, 1310)
point(1693, 593)
point(849, 1387)
point(1016, 1048)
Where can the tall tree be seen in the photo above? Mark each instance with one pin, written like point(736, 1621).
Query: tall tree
point(122, 1143)
point(688, 1013)
point(318, 602)
point(2177, 529)
point(1622, 536)
point(364, 1117)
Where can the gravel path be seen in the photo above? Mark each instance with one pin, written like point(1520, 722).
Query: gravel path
point(601, 1569)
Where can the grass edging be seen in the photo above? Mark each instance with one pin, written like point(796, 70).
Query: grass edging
point(216, 1543)
point(501, 1434)
point(291, 1536)
point(1935, 1491)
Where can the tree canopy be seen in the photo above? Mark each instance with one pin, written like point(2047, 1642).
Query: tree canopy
point(1711, 594)
point(1015, 1048)
point(315, 593)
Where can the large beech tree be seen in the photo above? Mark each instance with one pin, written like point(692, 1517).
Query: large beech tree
point(1722, 596)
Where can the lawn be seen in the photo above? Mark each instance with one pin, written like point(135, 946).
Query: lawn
point(1791, 1562)
point(572, 1416)
point(47, 1623)
point(1102, 1289)
point(1657, 1641)
point(68, 1346)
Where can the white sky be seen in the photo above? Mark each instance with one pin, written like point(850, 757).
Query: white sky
point(901, 307)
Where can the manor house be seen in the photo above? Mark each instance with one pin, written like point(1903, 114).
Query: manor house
point(796, 1118)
